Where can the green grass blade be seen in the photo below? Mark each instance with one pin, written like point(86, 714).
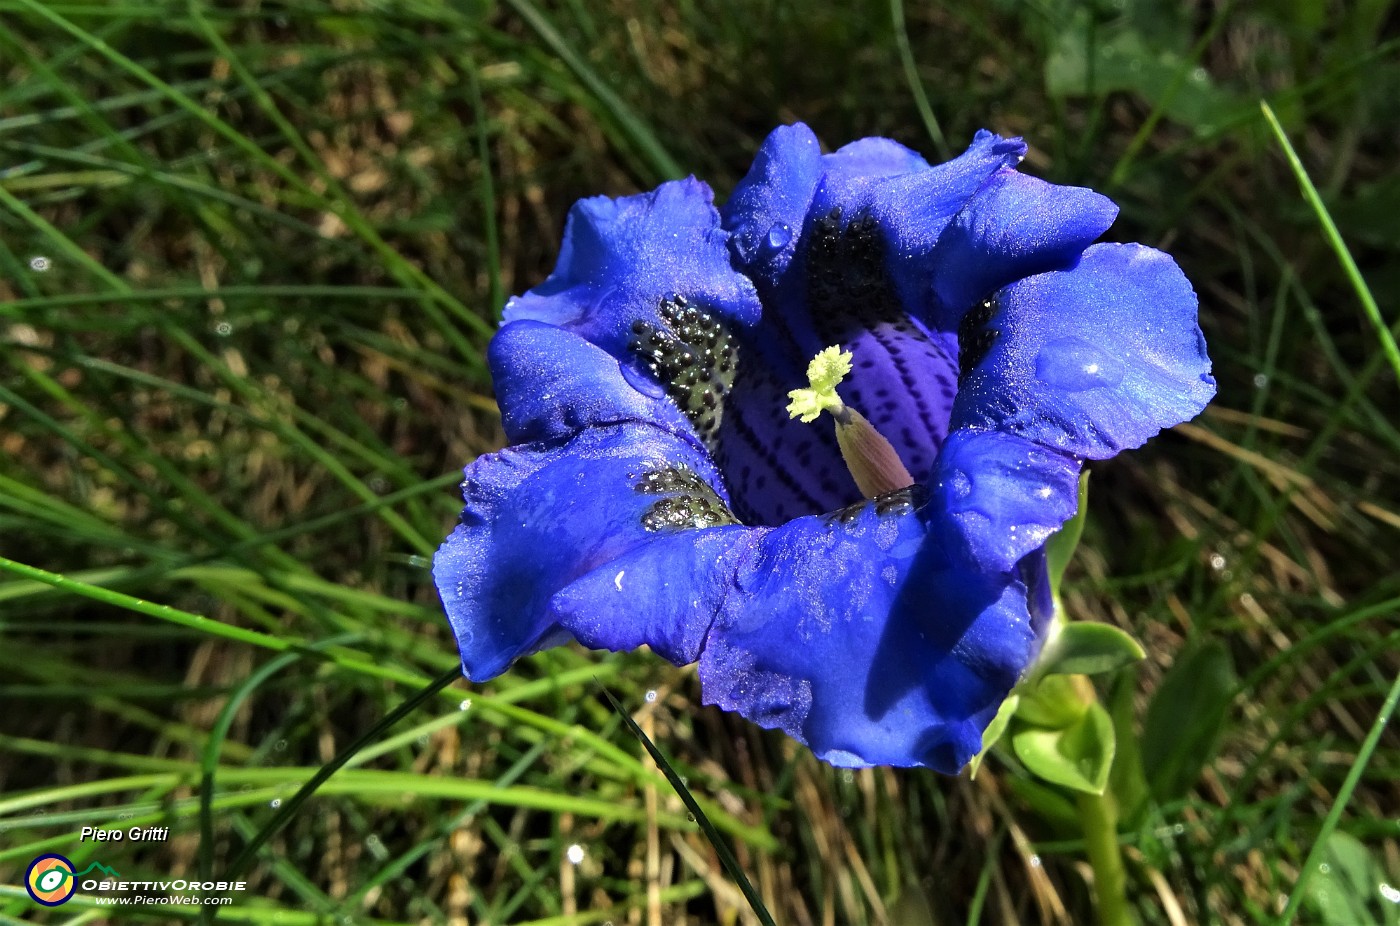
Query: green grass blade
point(1334, 238)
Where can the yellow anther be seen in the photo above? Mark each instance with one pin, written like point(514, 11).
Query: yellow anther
point(824, 373)
point(873, 462)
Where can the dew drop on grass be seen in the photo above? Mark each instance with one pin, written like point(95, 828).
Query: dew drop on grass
point(1179, 828)
point(281, 745)
point(275, 803)
point(223, 329)
point(651, 695)
point(1260, 380)
point(1035, 861)
point(1217, 562)
point(376, 847)
point(1325, 868)
point(1389, 893)
point(39, 263)
point(465, 705)
point(574, 853)
point(690, 817)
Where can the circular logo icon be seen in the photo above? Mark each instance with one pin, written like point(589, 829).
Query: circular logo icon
point(50, 880)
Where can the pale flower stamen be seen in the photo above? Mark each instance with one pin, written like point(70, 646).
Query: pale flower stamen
point(873, 462)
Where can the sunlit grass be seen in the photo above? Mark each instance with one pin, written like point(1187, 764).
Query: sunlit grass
point(249, 260)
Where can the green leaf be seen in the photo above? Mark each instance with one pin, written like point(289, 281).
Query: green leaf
point(1088, 648)
point(994, 731)
point(1059, 549)
point(1344, 890)
point(1078, 757)
point(1124, 58)
point(1184, 720)
point(1126, 782)
point(1054, 701)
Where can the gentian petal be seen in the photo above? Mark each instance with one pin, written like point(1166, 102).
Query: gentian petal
point(540, 516)
point(999, 497)
point(622, 257)
point(664, 593)
point(1013, 227)
point(858, 636)
point(910, 201)
point(1094, 359)
point(910, 198)
point(551, 383)
point(766, 213)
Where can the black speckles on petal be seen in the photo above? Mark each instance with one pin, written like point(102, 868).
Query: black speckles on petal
point(848, 286)
point(975, 338)
point(688, 502)
point(899, 502)
point(693, 355)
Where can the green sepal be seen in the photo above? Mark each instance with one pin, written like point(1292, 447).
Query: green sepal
point(1088, 648)
point(994, 731)
point(1059, 549)
point(1054, 701)
point(1077, 757)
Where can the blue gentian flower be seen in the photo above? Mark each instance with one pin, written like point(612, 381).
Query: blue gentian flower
point(657, 491)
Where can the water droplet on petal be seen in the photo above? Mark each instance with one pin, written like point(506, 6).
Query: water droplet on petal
point(1074, 365)
point(645, 384)
point(778, 237)
point(959, 485)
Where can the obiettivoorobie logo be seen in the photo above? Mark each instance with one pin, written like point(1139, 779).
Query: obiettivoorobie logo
point(51, 880)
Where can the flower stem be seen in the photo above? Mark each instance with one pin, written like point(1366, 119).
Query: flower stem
point(1098, 813)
